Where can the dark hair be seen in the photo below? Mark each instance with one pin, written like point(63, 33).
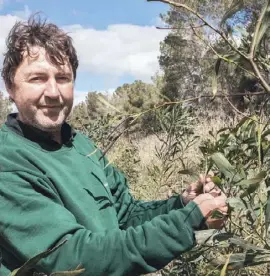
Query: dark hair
point(36, 32)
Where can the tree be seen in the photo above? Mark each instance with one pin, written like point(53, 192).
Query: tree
point(195, 44)
point(136, 100)
point(135, 97)
point(5, 108)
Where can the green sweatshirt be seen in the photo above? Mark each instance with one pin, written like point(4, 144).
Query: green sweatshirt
point(51, 192)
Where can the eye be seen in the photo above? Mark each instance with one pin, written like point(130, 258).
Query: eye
point(63, 79)
point(37, 79)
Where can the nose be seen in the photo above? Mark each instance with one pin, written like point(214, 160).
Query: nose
point(52, 89)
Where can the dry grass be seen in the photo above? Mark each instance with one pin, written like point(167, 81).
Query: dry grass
point(145, 186)
point(143, 159)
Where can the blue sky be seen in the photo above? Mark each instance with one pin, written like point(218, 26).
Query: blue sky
point(116, 40)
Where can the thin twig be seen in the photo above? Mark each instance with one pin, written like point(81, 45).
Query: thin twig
point(264, 83)
point(209, 45)
point(179, 5)
point(257, 29)
point(249, 58)
point(182, 28)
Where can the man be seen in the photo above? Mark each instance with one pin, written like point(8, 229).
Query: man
point(55, 185)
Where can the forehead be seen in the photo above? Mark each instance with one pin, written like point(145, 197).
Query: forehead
point(38, 60)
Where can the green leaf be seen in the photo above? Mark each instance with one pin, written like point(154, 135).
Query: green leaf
point(252, 181)
point(264, 26)
point(216, 180)
point(102, 100)
point(252, 184)
point(224, 269)
point(236, 203)
point(217, 215)
point(75, 272)
point(215, 77)
point(225, 167)
point(188, 172)
point(267, 209)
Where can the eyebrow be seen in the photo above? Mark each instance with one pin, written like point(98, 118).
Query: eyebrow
point(41, 72)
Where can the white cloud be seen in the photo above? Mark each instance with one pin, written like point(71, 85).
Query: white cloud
point(23, 14)
point(79, 96)
point(6, 23)
point(120, 49)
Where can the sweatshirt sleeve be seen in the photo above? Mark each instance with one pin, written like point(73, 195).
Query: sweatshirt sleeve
point(133, 212)
point(33, 220)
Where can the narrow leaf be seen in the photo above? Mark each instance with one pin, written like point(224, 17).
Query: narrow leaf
point(264, 26)
point(235, 203)
point(252, 184)
point(215, 77)
point(75, 272)
point(252, 181)
point(102, 100)
point(224, 269)
point(30, 264)
point(267, 210)
point(225, 167)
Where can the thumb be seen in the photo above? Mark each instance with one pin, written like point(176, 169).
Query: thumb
point(220, 201)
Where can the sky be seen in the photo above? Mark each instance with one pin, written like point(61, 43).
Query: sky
point(116, 40)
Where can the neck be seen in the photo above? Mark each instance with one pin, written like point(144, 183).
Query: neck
point(56, 136)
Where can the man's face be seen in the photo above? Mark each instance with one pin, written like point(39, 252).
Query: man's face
point(42, 92)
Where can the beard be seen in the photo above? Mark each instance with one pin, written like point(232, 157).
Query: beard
point(47, 119)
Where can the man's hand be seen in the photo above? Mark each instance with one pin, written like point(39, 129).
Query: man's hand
point(208, 204)
point(201, 186)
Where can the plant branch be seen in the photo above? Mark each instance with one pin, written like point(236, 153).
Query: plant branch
point(221, 56)
point(257, 29)
point(179, 5)
point(264, 83)
point(182, 28)
point(249, 57)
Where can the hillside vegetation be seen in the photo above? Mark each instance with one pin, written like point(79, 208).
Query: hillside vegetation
point(207, 110)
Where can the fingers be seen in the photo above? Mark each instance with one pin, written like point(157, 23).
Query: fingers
point(203, 198)
point(215, 223)
point(223, 210)
point(208, 204)
point(206, 178)
point(221, 204)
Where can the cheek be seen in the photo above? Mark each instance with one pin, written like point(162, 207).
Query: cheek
point(28, 94)
point(68, 93)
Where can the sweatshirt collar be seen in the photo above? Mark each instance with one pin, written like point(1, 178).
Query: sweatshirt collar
point(39, 136)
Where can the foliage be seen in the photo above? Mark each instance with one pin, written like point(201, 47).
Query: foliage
point(228, 55)
point(4, 108)
point(89, 110)
point(200, 38)
point(240, 156)
point(105, 118)
point(136, 98)
point(176, 136)
point(125, 156)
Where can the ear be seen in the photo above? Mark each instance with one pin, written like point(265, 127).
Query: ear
point(10, 93)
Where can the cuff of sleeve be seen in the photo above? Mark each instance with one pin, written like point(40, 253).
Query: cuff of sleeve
point(183, 204)
point(194, 216)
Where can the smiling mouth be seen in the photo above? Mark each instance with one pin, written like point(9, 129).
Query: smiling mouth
point(49, 106)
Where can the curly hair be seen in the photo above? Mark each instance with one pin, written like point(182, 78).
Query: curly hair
point(37, 32)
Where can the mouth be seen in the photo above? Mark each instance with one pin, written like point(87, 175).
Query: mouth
point(50, 106)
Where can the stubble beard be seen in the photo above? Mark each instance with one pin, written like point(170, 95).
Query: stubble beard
point(45, 122)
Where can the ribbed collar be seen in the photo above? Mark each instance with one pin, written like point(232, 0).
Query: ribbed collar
point(38, 136)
